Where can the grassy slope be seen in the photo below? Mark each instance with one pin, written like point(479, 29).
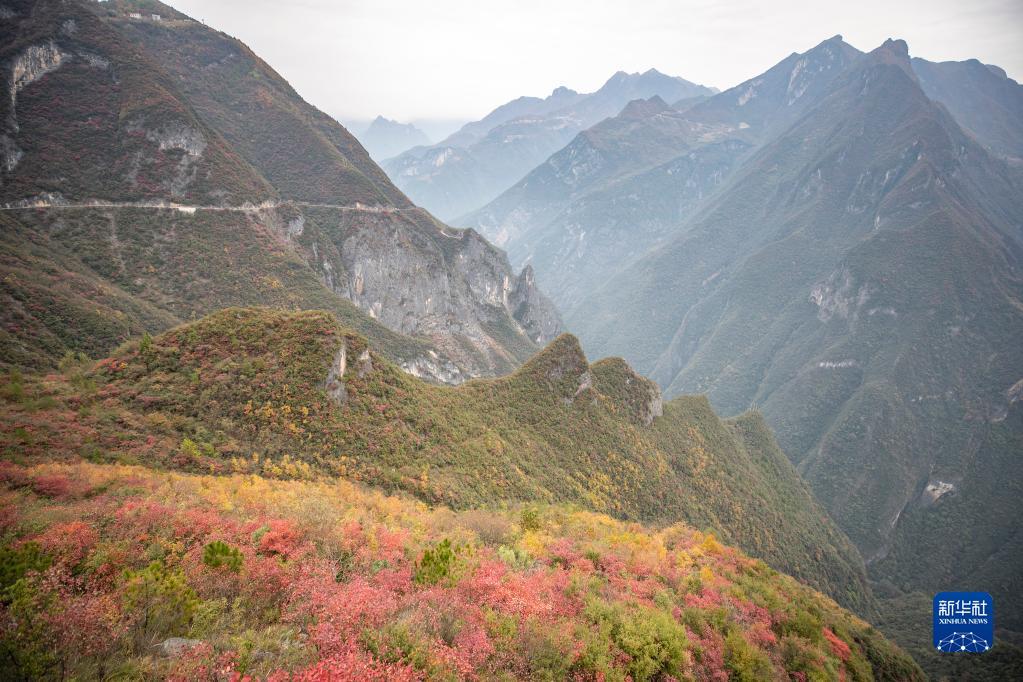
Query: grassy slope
point(248, 386)
point(333, 581)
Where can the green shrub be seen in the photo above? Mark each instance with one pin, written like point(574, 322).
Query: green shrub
point(219, 554)
point(656, 644)
point(13, 389)
point(436, 564)
point(16, 562)
point(161, 600)
point(530, 519)
point(146, 350)
point(26, 645)
point(804, 624)
point(745, 662)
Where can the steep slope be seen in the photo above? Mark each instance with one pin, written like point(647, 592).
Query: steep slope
point(860, 280)
point(257, 389)
point(479, 162)
point(624, 185)
point(278, 204)
point(88, 115)
point(304, 153)
point(982, 98)
point(385, 138)
point(324, 580)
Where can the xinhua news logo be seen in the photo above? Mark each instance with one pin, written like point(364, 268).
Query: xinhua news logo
point(964, 622)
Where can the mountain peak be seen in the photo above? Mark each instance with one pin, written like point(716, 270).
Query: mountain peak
point(561, 366)
point(644, 108)
point(894, 51)
point(895, 48)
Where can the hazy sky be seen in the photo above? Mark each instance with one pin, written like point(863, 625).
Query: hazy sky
point(415, 59)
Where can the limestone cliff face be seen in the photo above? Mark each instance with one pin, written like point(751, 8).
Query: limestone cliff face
point(421, 278)
point(533, 310)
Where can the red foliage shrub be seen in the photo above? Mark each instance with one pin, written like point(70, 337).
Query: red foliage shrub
point(199, 663)
point(642, 590)
point(397, 580)
point(138, 516)
point(838, 647)
point(473, 647)
point(540, 594)
point(351, 665)
point(339, 611)
point(52, 485)
point(266, 580)
point(710, 661)
point(757, 623)
point(8, 517)
point(282, 539)
point(13, 475)
point(391, 543)
point(563, 552)
point(88, 625)
point(199, 524)
point(68, 542)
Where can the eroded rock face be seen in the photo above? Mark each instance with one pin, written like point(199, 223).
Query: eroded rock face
point(839, 296)
point(532, 309)
point(335, 383)
point(170, 136)
point(32, 64)
point(421, 278)
point(935, 490)
point(177, 135)
point(10, 153)
point(434, 368)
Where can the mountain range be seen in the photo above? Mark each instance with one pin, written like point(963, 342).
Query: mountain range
point(485, 157)
point(836, 241)
point(226, 442)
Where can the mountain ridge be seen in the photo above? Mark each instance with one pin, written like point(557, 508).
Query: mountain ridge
point(478, 163)
point(641, 175)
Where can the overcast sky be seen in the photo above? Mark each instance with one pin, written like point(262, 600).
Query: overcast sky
point(458, 59)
